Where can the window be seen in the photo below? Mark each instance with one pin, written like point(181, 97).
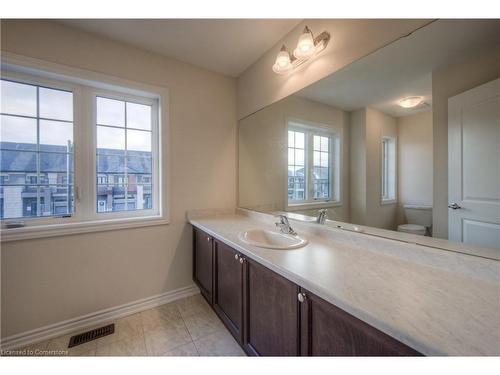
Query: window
point(296, 166)
point(124, 155)
point(313, 164)
point(36, 150)
point(78, 153)
point(321, 167)
point(388, 174)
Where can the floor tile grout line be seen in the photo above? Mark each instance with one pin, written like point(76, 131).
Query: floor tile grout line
point(148, 351)
point(184, 324)
point(187, 329)
point(99, 340)
point(144, 334)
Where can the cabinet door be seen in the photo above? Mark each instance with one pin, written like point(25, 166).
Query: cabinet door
point(228, 288)
point(271, 312)
point(202, 262)
point(327, 330)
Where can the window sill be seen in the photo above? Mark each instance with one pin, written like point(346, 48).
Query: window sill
point(388, 201)
point(312, 205)
point(55, 230)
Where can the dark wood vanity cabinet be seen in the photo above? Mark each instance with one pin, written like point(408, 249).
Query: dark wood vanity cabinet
point(228, 288)
point(271, 313)
point(203, 263)
point(327, 330)
point(271, 316)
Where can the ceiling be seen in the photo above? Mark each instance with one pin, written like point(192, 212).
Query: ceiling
point(226, 46)
point(404, 68)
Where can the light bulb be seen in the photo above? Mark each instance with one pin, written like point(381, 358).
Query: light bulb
point(305, 47)
point(283, 63)
point(283, 59)
point(410, 101)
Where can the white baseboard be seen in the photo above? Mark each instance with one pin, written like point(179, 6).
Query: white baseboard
point(71, 325)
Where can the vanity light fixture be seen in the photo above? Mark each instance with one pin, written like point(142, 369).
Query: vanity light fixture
point(307, 47)
point(411, 101)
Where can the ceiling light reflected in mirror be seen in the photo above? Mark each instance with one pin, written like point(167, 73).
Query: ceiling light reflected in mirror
point(411, 101)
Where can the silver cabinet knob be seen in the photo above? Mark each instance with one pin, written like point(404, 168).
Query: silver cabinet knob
point(236, 256)
point(301, 297)
point(454, 206)
point(209, 239)
point(242, 260)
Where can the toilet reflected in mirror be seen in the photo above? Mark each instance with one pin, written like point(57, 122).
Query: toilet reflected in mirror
point(419, 220)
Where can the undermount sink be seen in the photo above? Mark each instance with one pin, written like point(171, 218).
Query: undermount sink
point(272, 240)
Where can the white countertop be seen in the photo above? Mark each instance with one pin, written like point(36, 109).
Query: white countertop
point(438, 302)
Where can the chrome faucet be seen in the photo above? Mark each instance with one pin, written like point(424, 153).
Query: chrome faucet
point(284, 225)
point(322, 216)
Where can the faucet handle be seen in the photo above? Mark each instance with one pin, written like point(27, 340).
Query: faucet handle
point(322, 216)
point(283, 219)
point(284, 225)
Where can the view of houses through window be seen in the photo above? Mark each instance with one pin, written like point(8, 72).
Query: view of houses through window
point(124, 158)
point(321, 167)
point(37, 153)
point(296, 166)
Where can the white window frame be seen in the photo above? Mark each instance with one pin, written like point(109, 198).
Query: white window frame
point(385, 170)
point(54, 84)
point(85, 85)
point(335, 146)
point(155, 148)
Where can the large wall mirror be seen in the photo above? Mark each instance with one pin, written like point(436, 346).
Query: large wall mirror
point(403, 143)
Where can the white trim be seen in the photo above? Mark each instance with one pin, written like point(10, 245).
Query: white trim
point(384, 174)
point(93, 319)
point(312, 205)
point(388, 201)
point(54, 230)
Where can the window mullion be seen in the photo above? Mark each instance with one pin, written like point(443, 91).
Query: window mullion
point(310, 166)
point(85, 157)
point(330, 167)
point(38, 202)
point(126, 160)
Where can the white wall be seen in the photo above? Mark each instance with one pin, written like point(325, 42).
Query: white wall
point(262, 152)
point(447, 82)
point(358, 166)
point(415, 161)
point(368, 126)
point(378, 125)
point(351, 39)
point(50, 280)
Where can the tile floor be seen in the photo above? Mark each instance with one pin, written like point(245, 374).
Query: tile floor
point(186, 327)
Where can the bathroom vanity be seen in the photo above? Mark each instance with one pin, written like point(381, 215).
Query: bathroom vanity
point(341, 295)
point(270, 315)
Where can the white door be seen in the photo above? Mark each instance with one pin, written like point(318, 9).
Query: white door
point(474, 166)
